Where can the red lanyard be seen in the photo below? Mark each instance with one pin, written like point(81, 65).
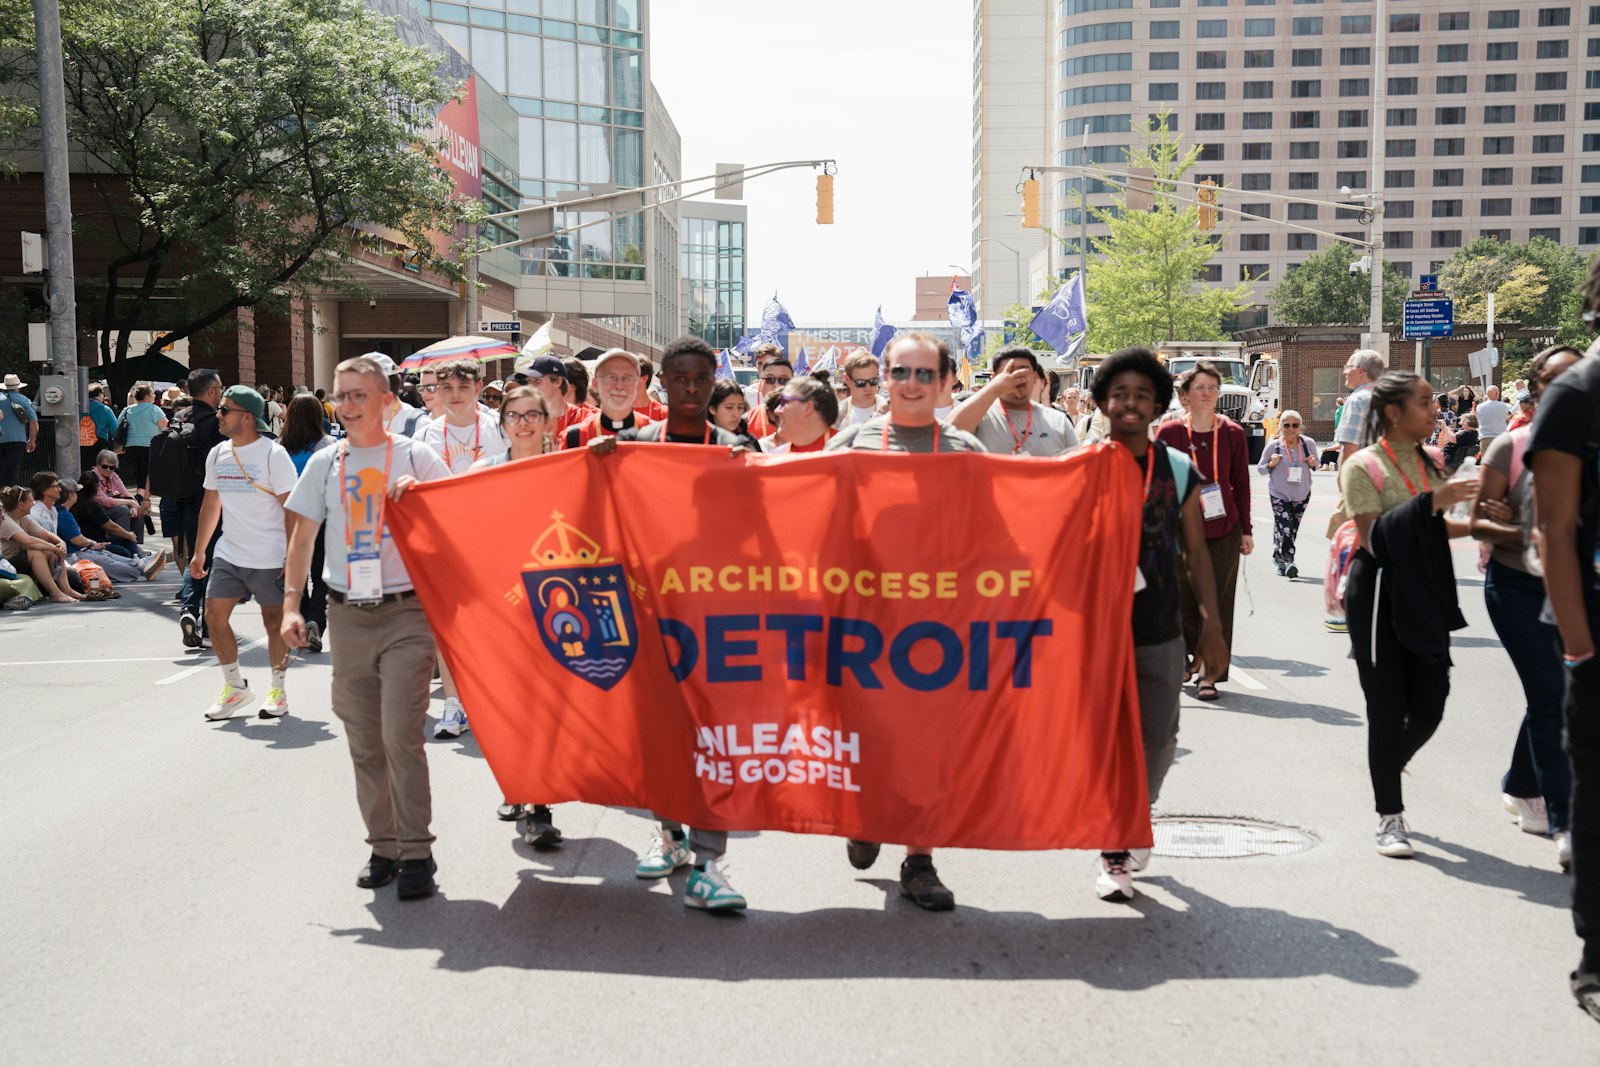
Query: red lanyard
point(883, 439)
point(383, 494)
point(1423, 467)
point(477, 430)
point(1026, 430)
point(1216, 445)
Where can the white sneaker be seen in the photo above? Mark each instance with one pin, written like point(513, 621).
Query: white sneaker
point(233, 700)
point(453, 723)
point(1393, 837)
point(1529, 811)
point(276, 705)
point(1564, 849)
point(1138, 859)
point(1114, 882)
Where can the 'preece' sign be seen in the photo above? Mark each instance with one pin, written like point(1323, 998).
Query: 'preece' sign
point(923, 649)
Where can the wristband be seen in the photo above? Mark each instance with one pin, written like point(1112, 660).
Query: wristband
point(1574, 661)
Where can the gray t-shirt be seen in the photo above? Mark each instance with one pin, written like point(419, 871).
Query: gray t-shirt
point(869, 437)
point(1041, 432)
point(1353, 422)
point(1519, 495)
point(317, 496)
point(1492, 415)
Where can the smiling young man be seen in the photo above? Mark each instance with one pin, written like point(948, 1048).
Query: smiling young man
point(1018, 425)
point(616, 377)
point(383, 651)
point(919, 376)
point(863, 377)
point(1131, 387)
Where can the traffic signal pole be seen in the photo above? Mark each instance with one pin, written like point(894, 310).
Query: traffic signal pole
point(61, 280)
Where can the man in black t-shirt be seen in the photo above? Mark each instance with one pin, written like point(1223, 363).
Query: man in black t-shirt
point(1564, 455)
point(1131, 387)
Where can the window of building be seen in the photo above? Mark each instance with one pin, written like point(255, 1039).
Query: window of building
point(1590, 173)
point(1079, 7)
point(1210, 90)
point(1210, 153)
point(1500, 51)
point(1256, 151)
point(1214, 28)
point(1258, 120)
point(1301, 181)
point(1449, 146)
point(1355, 179)
point(1352, 150)
point(1552, 233)
point(1397, 239)
point(1164, 31)
point(1096, 124)
point(1302, 242)
point(1163, 90)
point(1097, 64)
point(1306, 57)
point(1495, 83)
point(1451, 53)
point(1163, 61)
point(1591, 111)
point(1159, 122)
point(1449, 176)
point(1306, 27)
point(1355, 57)
point(1449, 116)
point(1496, 114)
point(1589, 205)
point(1548, 175)
point(1407, 23)
point(1401, 116)
point(1549, 112)
point(1361, 24)
point(1400, 209)
point(1404, 53)
point(1400, 149)
point(1305, 88)
point(1544, 205)
point(1101, 94)
point(1589, 235)
point(1255, 242)
point(1301, 212)
point(1211, 3)
point(1496, 176)
point(1549, 80)
point(1454, 20)
point(1591, 142)
point(1499, 146)
point(1445, 86)
point(1447, 238)
point(1355, 87)
point(1399, 179)
point(1211, 272)
point(1255, 272)
point(1350, 120)
point(1210, 60)
point(1260, 27)
point(1555, 16)
point(1551, 50)
point(1402, 87)
point(1305, 150)
point(1594, 48)
point(1305, 120)
point(1505, 20)
point(1255, 183)
point(1494, 207)
point(1211, 120)
point(1258, 58)
point(1258, 90)
point(1260, 211)
point(1549, 142)
point(1098, 31)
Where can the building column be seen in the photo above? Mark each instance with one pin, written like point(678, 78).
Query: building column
point(325, 341)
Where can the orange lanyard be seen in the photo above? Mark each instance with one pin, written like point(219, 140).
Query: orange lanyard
point(1216, 445)
point(883, 438)
point(1149, 468)
point(1423, 467)
point(477, 430)
point(1026, 430)
point(383, 495)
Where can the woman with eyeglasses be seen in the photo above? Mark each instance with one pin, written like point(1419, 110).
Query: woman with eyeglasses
point(1288, 461)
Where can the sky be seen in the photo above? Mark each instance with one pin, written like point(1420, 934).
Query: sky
point(882, 86)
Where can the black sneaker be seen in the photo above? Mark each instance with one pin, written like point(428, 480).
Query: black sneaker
point(508, 812)
point(1586, 988)
point(1292, 571)
point(1281, 568)
point(863, 854)
point(191, 630)
point(540, 830)
point(379, 871)
point(313, 637)
point(920, 882)
point(416, 878)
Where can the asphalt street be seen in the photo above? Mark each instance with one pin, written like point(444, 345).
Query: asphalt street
point(177, 891)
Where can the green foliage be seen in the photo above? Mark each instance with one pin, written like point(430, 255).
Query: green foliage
point(19, 115)
point(1323, 290)
point(1488, 262)
point(261, 143)
point(1144, 284)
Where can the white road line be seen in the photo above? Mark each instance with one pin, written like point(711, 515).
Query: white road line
point(1236, 675)
point(212, 662)
point(64, 662)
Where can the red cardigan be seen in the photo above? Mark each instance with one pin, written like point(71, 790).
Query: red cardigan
point(1231, 463)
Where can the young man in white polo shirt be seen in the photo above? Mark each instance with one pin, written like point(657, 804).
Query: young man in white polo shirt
point(248, 478)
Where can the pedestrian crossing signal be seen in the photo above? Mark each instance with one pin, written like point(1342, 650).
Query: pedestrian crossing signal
point(824, 200)
point(1030, 203)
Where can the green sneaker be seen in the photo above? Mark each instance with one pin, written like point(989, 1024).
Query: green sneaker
point(665, 856)
point(710, 891)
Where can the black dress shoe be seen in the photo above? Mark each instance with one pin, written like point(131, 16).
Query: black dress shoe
point(416, 878)
point(380, 870)
point(540, 830)
point(862, 854)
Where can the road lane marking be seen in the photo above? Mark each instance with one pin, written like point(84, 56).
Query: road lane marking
point(192, 671)
point(1236, 675)
point(64, 662)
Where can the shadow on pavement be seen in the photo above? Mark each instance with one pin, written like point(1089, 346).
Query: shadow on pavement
point(1475, 642)
point(285, 733)
point(1233, 700)
point(1540, 885)
point(619, 927)
point(1289, 668)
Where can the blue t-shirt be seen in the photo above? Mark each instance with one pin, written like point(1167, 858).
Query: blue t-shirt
point(14, 427)
point(144, 422)
point(105, 420)
point(66, 526)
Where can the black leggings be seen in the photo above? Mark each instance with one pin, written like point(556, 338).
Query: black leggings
point(1405, 692)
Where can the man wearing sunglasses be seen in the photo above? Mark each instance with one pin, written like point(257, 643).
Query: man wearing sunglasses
point(807, 410)
point(861, 376)
point(775, 375)
point(918, 367)
point(1018, 425)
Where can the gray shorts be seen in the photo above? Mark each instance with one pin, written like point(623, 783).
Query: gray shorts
point(229, 582)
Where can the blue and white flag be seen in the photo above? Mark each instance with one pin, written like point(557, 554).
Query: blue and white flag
point(775, 321)
point(829, 361)
point(724, 364)
point(800, 365)
point(963, 311)
point(742, 346)
point(882, 332)
point(1063, 316)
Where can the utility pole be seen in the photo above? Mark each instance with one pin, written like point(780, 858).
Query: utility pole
point(61, 280)
point(1380, 60)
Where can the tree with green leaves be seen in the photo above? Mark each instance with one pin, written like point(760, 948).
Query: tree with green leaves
point(1322, 289)
point(257, 145)
point(1145, 282)
point(1515, 273)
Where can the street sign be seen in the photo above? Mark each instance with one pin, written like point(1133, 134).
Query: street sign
point(1430, 318)
point(1428, 283)
point(509, 326)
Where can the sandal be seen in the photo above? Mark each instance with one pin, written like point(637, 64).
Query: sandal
point(1207, 691)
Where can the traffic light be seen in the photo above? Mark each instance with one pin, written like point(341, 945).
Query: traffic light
point(824, 200)
point(1207, 197)
point(1030, 203)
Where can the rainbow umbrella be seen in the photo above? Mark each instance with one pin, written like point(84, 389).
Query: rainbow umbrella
point(482, 349)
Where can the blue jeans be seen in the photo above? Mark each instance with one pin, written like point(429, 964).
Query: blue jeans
point(193, 593)
point(1539, 767)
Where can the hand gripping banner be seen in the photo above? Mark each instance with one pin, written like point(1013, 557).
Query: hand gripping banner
point(923, 649)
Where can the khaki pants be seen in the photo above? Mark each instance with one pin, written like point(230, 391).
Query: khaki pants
point(382, 664)
point(1224, 553)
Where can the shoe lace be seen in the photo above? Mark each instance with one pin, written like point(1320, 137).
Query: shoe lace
point(275, 695)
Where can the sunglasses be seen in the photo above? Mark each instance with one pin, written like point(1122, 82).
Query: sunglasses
point(434, 388)
point(925, 375)
point(865, 383)
point(1291, 426)
point(107, 466)
point(776, 379)
point(785, 399)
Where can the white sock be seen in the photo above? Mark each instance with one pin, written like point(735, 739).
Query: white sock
point(278, 674)
point(230, 674)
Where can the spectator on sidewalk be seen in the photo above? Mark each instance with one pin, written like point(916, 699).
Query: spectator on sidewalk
point(19, 429)
point(32, 549)
point(144, 420)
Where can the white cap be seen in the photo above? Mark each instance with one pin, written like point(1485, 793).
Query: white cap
point(615, 353)
point(384, 363)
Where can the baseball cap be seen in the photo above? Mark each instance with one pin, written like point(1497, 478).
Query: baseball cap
point(497, 385)
point(544, 365)
point(615, 354)
point(384, 363)
point(242, 396)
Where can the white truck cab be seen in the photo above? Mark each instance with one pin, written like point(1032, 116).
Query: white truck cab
point(1238, 400)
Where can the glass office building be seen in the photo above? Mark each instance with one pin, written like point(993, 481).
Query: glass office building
point(713, 270)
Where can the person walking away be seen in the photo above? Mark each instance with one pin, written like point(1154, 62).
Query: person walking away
point(1131, 387)
point(248, 478)
point(1217, 447)
point(1564, 452)
point(303, 437)
point(177, 469)
point(919, 377)
point(1401, 598)
point(19, 429)
point(1017, 425)
point(1493, 415)
point(383, 659)
point(1288, 461)
point(1537, 785)
point(97, 428)
point(142, 420)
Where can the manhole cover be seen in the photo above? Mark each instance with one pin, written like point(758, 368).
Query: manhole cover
point(1203, 838)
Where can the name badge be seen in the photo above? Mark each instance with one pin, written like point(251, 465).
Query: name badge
point(1295, 474)
point(1212, 505)
point(364, 579)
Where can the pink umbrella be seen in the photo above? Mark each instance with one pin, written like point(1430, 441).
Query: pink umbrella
point(482, 349)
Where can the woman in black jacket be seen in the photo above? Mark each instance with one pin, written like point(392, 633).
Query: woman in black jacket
point(1401, 594)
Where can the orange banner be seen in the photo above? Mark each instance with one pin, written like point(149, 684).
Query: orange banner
point(932, 650)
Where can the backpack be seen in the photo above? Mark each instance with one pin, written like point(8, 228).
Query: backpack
point(1346, 538)
point(177, 462)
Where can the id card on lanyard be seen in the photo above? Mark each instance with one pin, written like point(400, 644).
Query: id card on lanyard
point(1297, 469)
point(364, 552)
point(1212, 505)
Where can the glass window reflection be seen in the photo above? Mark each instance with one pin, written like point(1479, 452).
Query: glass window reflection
point(560, 70)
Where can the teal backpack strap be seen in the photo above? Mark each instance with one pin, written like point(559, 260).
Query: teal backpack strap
point(1180, 470)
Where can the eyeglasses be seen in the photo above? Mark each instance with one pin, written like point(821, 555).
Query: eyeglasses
point(434, 388)
point(226, 411)
point(618, 379)
point(777, 379)
point(514, 418)
point(1291, 426)
point(785, 399)
point(865, 383)
point(925, 375)
point(354, 396)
